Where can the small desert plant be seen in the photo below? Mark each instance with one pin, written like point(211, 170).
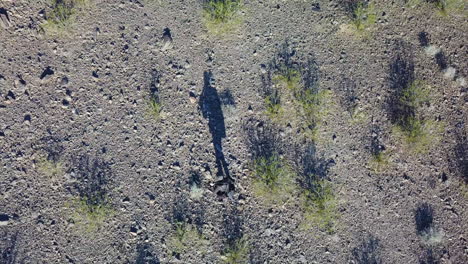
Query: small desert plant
point(62, 15)
point(50, 167)
point(409, 95)
point(154, 103)
point(444, 7)
point(196, 188)
point(320, 206)
point(417, 133)
point(237, 251)
point(364, 16)
point(317, 191)
point(154, 108)
point(91, 176)
point(289, 77)
point(314, 106)
point(273, 179)
point(273, 104)
point(380, 158)
point(221, 16)
point(447, 7)
point(88, 215)
point(186, 237)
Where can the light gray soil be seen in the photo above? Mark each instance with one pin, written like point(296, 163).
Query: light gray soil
point(95, 105)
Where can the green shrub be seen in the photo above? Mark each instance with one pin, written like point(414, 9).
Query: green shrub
point(415, 95)
point(62, 16)
point(364, 16)
point(444, 7)
point(320, 206)
point(155, 108)
point(273, 179)
point(222, 16)
point(50, 167)
point(186, 238)
point(88, 215)
point(237, 252)
point(289, 77)
point(273, 105)
point(314, 105)
point(447, 7)
point(419, 134)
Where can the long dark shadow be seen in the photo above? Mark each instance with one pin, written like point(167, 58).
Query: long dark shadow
point(210, 105)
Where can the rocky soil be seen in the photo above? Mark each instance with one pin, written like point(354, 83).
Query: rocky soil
point(80, 100)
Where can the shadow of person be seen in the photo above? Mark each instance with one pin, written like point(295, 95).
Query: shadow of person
point(210, 106)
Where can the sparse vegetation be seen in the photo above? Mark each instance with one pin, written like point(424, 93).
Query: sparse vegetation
point(273, 104)
point(185, 238)
point(274, 180)
point(409, 96)
point(91, 177)
point(444, 7)
point(154, 104)
point(88, 215)
point(320, 205)
point(237, 252)
point(62, 16)
point(222, 16)
point(364, 15)
point(424, 217)
point(314, 109)
point(380, 156)
point(288, 77)
point(50, 168)
point(317, 191)
point(306, 105)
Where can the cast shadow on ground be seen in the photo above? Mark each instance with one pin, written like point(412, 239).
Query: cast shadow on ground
point(9, 249)
point(368, 251)
point(232, 223)
point(145, 254)
point(210, 106)
point(401, 76)
point(262, 139)
point(310, 167)
point(92, 177)
point(424, 217)
point(461, 155)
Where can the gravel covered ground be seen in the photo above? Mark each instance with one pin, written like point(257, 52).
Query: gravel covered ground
point(89, 173)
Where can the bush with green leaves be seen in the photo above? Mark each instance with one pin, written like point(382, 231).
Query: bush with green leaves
point(417, 132)
point(406, 103)
point(92, 177)
point(237, 252)
point(88, 215)
point(62, 16)
point(318, 199)
point(314, 104)
point(185, 238)
point(320, 206)
point(155, 106)
point(444, 7)
point(222, 16)
point(364, 16)
point(274, 180)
